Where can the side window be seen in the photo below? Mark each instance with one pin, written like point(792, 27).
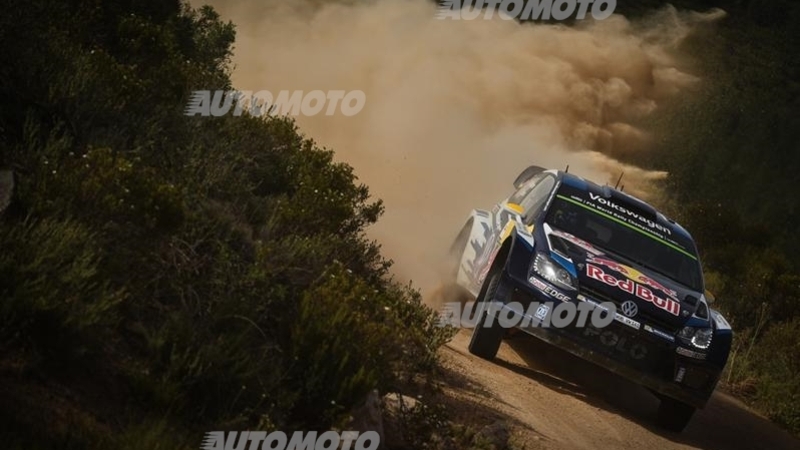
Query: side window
point(534, 200)
point(526, 188)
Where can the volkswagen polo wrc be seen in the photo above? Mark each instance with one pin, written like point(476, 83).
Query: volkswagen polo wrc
point(561, 238)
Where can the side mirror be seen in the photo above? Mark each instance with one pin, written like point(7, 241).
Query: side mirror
point(710, 297)
point(527, 174)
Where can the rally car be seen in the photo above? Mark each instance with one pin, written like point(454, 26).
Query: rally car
point(561, 238)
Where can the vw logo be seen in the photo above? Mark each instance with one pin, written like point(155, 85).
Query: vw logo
point(629, 308)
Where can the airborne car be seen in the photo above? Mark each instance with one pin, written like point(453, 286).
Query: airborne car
point(561, 238)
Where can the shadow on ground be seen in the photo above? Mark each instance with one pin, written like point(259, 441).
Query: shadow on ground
point(724, 424)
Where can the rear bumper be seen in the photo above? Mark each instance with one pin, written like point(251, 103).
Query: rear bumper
point(619, 349)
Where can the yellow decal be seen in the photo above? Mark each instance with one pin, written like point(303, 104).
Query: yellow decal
point(515, 207)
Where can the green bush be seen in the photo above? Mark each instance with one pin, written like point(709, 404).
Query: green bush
point(778, 363)
point(185, 272)
point(55, 300)
point(351, 337)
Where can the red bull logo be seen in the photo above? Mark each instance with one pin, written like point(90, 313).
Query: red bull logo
point(633, 288)
point(632, 274)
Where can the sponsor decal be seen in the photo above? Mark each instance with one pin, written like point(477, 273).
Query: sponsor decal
point(690, 353)
point(589, 248)
point(639, 290)
point(544, 287)
point(659, 333)
point(628, 214)
point(619, 343)
point(541, 312)
point(627, 321)
point(583, 298)
point(632, 274)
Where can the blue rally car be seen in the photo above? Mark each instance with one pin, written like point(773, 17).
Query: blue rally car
point(561, 238)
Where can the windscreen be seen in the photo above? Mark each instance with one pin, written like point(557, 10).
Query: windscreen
point(624, 233)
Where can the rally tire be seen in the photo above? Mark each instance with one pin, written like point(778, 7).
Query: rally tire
point(485, 341)
point(674, 415)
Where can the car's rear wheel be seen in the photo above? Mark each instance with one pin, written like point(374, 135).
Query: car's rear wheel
point(674, 415)
point(485, 341)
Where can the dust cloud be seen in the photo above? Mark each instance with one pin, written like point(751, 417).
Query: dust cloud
point(456, 109)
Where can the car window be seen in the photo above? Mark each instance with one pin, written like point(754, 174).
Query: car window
point(525, 189)
point(535, 199)
point(679, 263)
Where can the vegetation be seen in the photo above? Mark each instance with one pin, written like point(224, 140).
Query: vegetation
point(164, 275)
point(732, 148)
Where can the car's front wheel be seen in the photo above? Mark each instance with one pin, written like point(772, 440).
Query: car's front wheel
point(486, 336)
point(674, 415)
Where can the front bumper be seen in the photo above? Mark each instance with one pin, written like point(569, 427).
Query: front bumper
point(633, 354)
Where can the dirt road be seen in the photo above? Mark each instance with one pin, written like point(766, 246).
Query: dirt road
point(553, 400)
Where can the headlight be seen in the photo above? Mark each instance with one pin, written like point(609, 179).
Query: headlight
point(698, 337)
point(553, 272)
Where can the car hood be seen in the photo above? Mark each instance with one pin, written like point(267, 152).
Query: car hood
point(605, 277)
